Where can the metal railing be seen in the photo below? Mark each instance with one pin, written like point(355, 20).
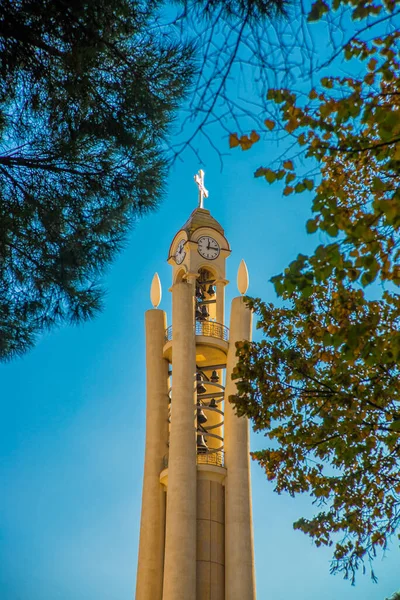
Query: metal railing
point(206, 458)
point(168, 334)
point(206, 328)
point(211, 458)
point(212, 329)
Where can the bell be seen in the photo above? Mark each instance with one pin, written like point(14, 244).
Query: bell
point(198, 314)
point(200, 293)
point(201, 389)
point(214, 377)
point(201, 444)
point(213, 403)
point(201, 417)
point(204, 311)
point(211, 290)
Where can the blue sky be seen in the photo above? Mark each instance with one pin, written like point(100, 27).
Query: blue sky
point(73, 416)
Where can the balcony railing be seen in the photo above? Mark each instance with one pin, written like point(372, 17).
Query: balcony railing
point(212, 329)
point(211, 458)
point(206, 458)
point(206, 328)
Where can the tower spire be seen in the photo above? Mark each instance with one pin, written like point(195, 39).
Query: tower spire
point(155, 291)
point(203, 192)
point(242, 278)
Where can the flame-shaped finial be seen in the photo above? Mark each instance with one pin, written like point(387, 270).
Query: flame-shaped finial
point(155, 291)
point(242, 278)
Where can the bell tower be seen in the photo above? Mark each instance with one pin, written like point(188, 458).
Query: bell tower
point(196, 538)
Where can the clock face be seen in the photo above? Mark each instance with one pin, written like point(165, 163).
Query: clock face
point(208, 247)
point(180, 252)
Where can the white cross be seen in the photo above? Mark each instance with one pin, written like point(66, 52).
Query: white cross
point(203, 193)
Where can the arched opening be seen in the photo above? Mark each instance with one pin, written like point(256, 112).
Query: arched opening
point(179, 275)
point(206, 296)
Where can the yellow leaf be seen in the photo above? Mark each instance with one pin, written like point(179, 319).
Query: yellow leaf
point(288, 165)
point(301, 139)
point(233, 140)
point(254, 136)
point(270, 124)
point(288, 190)
point(369, 78)
point(313, 94)
point(245, 142)
point(292, 124)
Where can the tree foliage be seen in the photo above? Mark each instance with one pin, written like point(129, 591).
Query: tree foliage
point(87, 91)
point(324, 381)
point(235, 42)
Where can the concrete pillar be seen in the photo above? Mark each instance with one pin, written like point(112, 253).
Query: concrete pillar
point(210, 538)
point(239, 554)
point(220, 296)
point(152, 525)
point(180, 536)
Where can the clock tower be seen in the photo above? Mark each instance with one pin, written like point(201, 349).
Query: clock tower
point(196, 539)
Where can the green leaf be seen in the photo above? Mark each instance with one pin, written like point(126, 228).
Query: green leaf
point(288, 164)
point(260, 172)
point(270, 175)
point(308, 183)
point(327, 82)
point(395, 425)
point(332, 230)
point(290, 177)
point(311, 226)
point(318, 9)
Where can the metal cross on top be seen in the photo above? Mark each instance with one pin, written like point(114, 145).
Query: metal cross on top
point(203, 192)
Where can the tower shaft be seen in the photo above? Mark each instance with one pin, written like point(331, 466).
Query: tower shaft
point(196, 538)
point(152, 526)
point(180, 538)
point(239, 555)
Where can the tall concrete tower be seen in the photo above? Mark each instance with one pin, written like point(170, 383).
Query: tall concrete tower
point(196, 538)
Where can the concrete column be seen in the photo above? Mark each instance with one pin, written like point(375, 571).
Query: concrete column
point(220, 304)
point(210, 538)
point(151, 546)
point(180, 537)
point(239, 552)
